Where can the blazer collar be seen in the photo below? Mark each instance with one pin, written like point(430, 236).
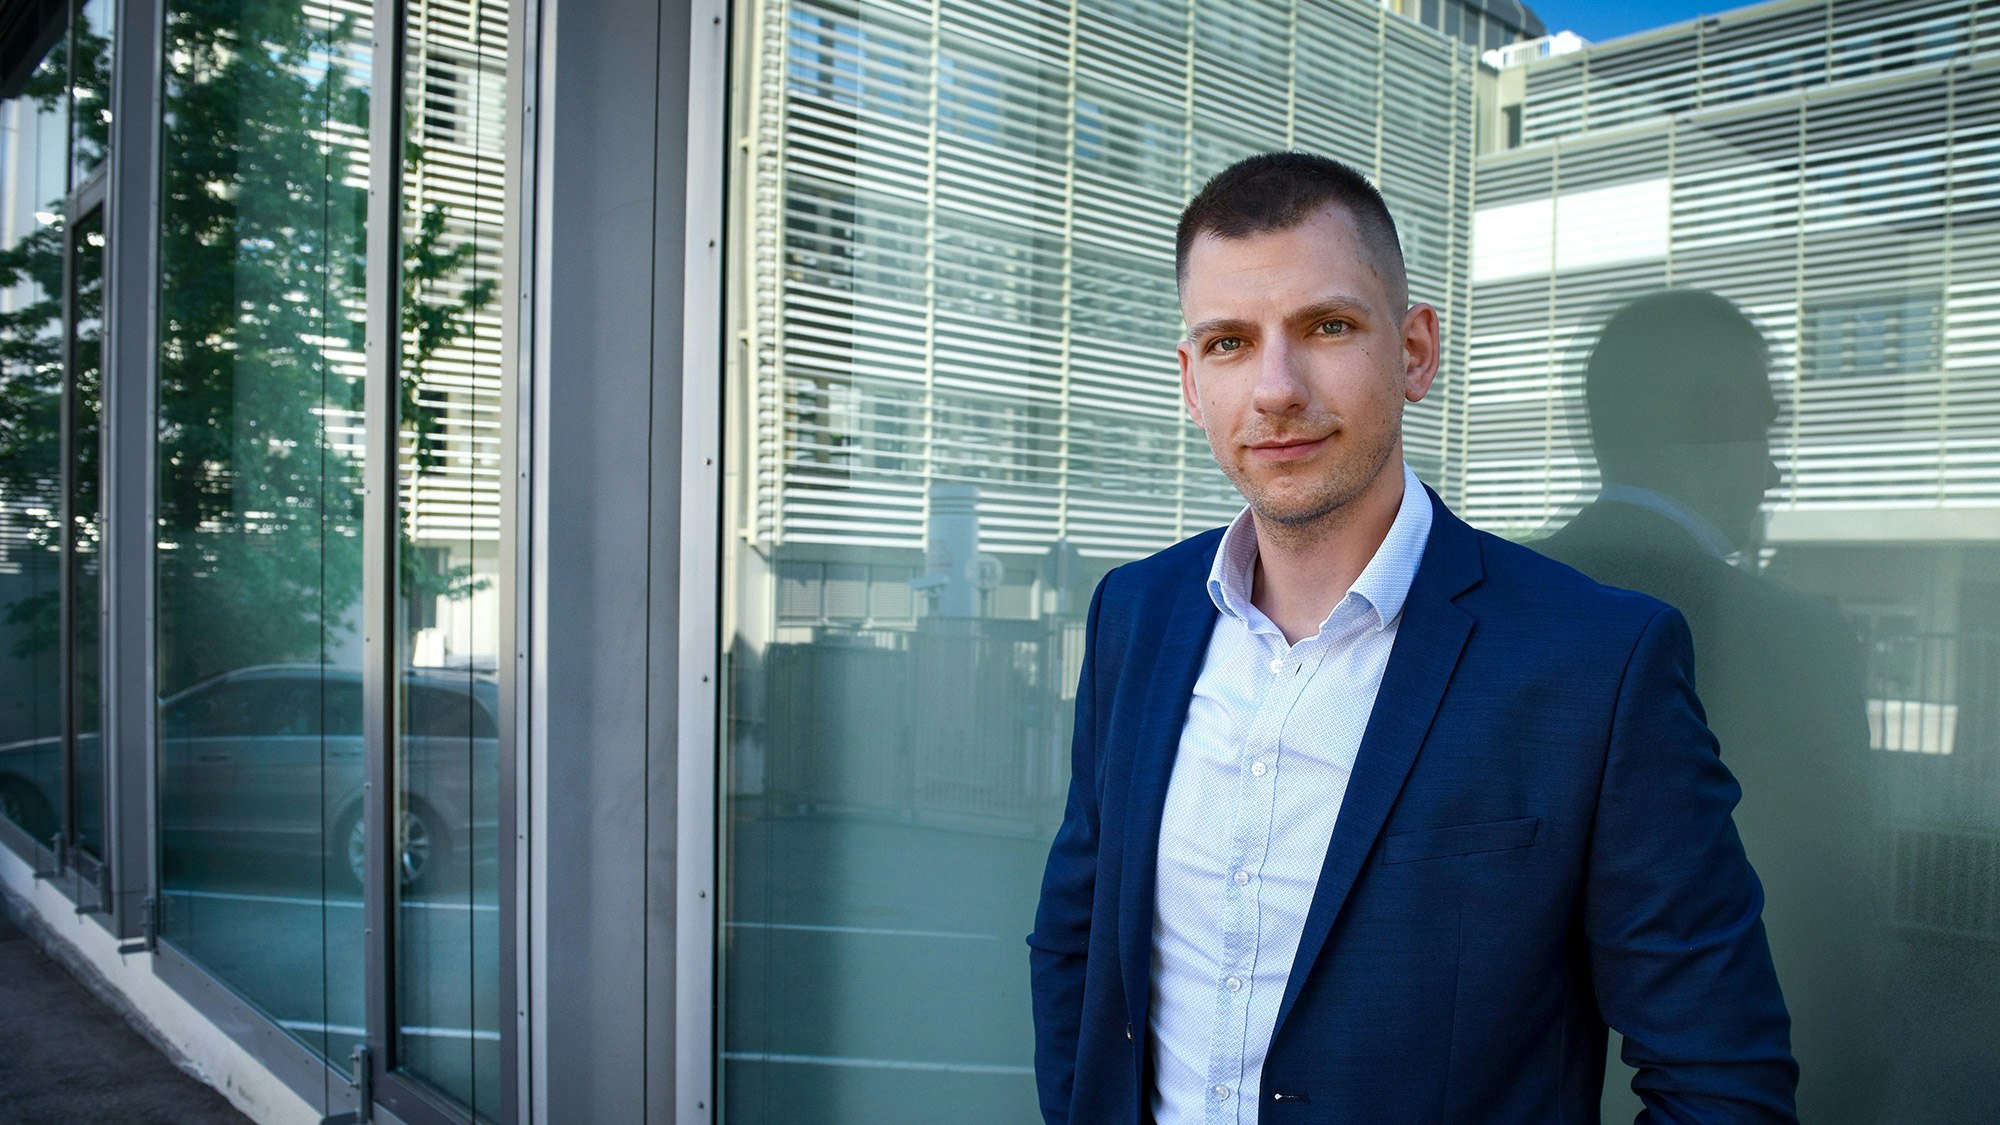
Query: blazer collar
point(1428, 644)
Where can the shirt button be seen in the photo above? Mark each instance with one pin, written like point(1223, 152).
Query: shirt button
point(1233, 984)
point(1277, 665)
point(1259, 769)
point(1242, 878)
point(1222, 1093)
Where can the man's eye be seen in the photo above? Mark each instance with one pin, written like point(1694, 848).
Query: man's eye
point(1225, 344)
point(1332, 328)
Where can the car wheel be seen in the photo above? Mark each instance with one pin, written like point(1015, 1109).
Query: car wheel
point(418, 849)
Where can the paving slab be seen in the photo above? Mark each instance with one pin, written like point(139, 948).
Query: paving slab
point(67, 1058)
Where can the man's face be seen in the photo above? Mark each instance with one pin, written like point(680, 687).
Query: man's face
point(1297, 364)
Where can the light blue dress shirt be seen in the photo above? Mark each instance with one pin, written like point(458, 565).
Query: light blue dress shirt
point(1270, 740)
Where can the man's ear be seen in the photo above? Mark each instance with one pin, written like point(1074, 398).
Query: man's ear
point(1420, 351)
point(1188, 395)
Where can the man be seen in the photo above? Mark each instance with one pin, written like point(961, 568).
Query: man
point(1375, 817)
point(1678, 393)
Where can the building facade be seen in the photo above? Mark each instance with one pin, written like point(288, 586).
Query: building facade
point(1829, 168)
point(543, 548)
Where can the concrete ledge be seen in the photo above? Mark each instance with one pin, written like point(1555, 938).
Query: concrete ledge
point(128, 985)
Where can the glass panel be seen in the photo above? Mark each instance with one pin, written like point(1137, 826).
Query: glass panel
point(961, 410)
point(1789, 445)
point(90, 42)
point(259, 555)
point(33, 167)
point(447, 906)
point(956, 381)
point(86, 513)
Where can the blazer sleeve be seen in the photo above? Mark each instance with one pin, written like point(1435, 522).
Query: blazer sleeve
point(1672, 909)
point(1060, 943)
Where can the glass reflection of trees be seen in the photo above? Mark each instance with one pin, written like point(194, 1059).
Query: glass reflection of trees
point(60, 127)
point(262, 371)
point(261, 259)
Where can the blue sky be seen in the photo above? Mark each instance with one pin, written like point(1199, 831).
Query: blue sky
point(1598, 20)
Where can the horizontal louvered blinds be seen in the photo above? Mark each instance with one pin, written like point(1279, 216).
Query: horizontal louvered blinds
point(961, 230)
point(1751, 53)
point(458, 65)
point(1856, 222)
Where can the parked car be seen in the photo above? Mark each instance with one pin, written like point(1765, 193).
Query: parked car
point(270, 759)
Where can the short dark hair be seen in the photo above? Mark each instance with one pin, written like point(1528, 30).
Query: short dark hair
point(1675, 367)
point(1279, 190)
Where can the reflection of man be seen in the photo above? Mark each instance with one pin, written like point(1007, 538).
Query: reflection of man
point(1680, 411)
point(1375, 817)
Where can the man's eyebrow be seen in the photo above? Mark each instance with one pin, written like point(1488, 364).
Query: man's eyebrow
point(1337, 304)
point(1217, 324)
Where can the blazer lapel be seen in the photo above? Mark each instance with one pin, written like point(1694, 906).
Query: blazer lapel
point(1176, 668)
point(1428, 643)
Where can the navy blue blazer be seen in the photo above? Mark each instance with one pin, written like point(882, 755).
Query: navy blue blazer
point(1536, 842)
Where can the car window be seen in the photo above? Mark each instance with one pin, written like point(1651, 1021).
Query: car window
point(238, 709)
point(340, 709)
point(446, 713)
point(276, 707)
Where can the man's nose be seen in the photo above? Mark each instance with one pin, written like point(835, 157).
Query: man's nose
point(1280, 382)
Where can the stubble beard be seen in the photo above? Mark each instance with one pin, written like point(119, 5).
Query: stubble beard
point(1321, 514)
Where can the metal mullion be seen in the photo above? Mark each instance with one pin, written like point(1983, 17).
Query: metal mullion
point(65, 545)
point(378, 534)
point(511, 665)
point(129, 362)
point(698, 611)
point(127, 589)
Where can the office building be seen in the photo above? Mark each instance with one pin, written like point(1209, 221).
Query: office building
point(544, 549)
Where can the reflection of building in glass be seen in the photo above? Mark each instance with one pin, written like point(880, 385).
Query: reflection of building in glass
point(962, 243)
point(1834, 169)
point(450, 472)
point(961, 250)
point(34, 156)
point(959, 405)
point(1833, 175)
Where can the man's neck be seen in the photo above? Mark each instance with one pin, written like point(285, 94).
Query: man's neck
point(1302, 572)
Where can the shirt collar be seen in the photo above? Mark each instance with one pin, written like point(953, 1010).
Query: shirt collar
point(1706, 535)
point(1383, 586)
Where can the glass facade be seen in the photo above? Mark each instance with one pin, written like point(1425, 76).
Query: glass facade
point(35, 139)
point(51, 337)
point(447, 957)
point(83, 429)
point(1720, 311)
point(1823, 171)
point(259, 560)
point(961, 410)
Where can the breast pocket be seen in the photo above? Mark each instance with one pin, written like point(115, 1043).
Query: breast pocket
point(1460, 839)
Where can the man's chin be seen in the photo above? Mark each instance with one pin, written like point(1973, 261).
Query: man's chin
point(1297, 516)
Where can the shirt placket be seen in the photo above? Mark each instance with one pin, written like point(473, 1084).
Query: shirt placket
point(1282, 679)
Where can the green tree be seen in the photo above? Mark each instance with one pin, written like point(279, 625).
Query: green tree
point(263, 315)
point(31, 333)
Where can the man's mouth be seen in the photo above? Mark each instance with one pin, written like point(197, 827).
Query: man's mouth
point(1286, 449)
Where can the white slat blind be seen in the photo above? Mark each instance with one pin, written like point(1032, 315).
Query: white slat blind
point(1854, 220)
point(962, 220)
